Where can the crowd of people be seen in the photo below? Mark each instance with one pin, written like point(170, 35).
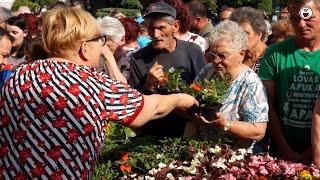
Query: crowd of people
point(66, 74)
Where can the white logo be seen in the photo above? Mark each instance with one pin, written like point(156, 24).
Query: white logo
point(305, 13)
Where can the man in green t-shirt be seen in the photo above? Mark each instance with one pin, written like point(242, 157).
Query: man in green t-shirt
point(290, 71)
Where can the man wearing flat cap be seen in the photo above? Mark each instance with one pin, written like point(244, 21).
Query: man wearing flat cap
point(165, 53)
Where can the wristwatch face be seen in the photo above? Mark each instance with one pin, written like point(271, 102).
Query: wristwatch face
point(227, 126)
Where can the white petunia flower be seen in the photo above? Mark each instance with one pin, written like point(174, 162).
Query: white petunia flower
point(191, 170)
point(216, 150)
point(170, 176)
point(150, 178)
point(161, 165)
point(242, 151)
point(159, 156)
point(153, 171)
point(172, 165)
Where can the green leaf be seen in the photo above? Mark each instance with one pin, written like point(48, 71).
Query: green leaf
point(129, 132)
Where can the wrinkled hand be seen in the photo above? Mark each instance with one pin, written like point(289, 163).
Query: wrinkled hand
point(107, 53)
point(186, 101)
point(220, 120)
point(155, 77)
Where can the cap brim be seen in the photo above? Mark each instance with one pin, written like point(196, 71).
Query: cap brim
point(157, 12)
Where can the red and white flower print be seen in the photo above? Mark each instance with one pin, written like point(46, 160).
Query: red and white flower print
point(44, 77)
point(54, 153)
point(73, 135)
point(38, 171)
point(24, 155)
point(124, 99)
point(4, 150)
point(57, 175)
point(78, 112)
point(26, 86)
point(60, 122)
point(41, 111)
point(19, 135)
point(61, 103)
point(74, 89)
point(88, 128)
point(5, 119)
point(20, 176)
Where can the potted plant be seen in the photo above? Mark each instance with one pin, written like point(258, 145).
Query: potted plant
point(209, 92)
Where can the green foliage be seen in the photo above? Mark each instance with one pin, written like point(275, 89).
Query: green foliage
point(145, 152)
point(106, 11)
point(131, 4)
point(47, 3)
point(210, 4)
point(28, 3)
point(266, 5)
point(238, 3)
point(207, 92)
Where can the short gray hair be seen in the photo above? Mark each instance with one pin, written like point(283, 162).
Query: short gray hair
point(112, 28)
point(252, 16)
point(4, 14)
point(230, 32)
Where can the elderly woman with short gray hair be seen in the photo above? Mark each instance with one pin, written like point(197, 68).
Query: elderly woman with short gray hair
point(243, 117)
point(114, 31)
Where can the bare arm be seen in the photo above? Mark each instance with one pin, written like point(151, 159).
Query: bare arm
point(254, 131)
point(242, 129)
point(157, 106)
point(274, 121)
point(315, 134)
point(111, 65)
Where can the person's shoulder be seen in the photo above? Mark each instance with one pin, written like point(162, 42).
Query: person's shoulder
point(281, 46)
point(147, 51)
point(250, 76)
point(189, 47)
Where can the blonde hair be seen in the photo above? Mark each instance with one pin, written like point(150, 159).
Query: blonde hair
point(65, 29)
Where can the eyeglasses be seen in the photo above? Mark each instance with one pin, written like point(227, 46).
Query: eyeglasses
point(102, 38)
point(219, 56)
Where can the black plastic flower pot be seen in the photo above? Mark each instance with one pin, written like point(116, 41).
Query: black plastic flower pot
point(209, 113)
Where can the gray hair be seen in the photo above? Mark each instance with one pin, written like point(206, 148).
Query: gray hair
point(230, 32)
point(4, 14)
point(252, 16)
point(112, 28)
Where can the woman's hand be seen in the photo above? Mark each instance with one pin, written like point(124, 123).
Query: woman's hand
point(220, 120)
point(186, 101)
point(106, 53)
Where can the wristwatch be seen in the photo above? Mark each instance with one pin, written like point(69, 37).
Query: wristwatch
point(226, 128)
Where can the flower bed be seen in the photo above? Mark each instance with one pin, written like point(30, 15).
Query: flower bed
point(152, 158)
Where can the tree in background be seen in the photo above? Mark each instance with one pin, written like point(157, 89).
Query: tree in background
point(34, 5)
point(266, 5)
point(131, 4)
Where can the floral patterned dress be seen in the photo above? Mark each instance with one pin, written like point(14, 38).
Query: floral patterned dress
point(52, 119)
